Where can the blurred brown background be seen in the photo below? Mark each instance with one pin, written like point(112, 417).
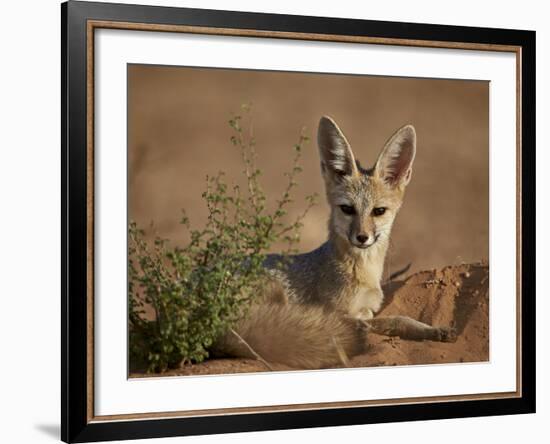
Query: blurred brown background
point(178, 133)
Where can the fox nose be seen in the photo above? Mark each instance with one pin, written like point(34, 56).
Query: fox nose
point(362, 238)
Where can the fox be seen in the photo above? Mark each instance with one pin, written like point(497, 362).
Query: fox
point(317, 310)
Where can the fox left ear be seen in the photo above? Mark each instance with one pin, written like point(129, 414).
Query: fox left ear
point(337, 158)
point(394, 164)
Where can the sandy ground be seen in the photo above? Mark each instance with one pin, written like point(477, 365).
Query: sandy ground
point(451, 296)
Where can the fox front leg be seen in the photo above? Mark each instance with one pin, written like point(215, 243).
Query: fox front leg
point(408, 328)
point(365, 303)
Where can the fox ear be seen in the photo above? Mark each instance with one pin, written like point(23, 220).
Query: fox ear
point(336, 156)
point(394, 164)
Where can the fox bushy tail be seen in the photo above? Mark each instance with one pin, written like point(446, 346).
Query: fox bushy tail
point(299, 336)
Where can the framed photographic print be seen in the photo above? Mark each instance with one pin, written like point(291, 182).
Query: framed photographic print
point(275, 221)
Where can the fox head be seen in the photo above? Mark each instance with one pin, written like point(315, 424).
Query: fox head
point(364, 202)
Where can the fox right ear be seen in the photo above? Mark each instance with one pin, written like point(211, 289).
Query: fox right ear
point(336, 156)
point(394, 165)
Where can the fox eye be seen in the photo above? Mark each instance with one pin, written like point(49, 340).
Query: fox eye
point(347, 209)
point(378, 211)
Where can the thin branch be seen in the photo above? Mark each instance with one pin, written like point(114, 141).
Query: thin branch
point(398, 273)
point(341, 352)
point(251, 350)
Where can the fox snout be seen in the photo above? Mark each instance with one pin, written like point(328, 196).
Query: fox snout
point(362, 235)
point(363, 240)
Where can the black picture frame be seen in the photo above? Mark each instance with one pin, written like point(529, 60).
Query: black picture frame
point(76, 423)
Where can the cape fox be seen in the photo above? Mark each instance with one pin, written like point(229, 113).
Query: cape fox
point(316, 311)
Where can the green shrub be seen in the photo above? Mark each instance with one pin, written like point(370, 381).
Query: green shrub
point(198, 291)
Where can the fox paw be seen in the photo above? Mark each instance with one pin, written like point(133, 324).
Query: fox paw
point(447, 334)
point(365, 314)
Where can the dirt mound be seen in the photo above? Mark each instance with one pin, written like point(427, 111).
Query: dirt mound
point(453, 296)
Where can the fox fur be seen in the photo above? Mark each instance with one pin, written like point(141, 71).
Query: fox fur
point(317, 309)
